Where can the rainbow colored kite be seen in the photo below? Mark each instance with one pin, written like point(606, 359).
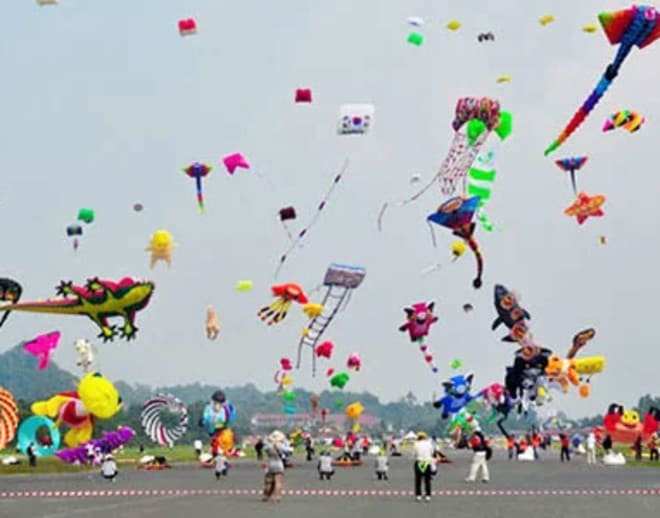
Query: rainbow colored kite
point(635, 26)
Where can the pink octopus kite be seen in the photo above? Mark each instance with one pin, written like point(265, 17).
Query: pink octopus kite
point(418, 325)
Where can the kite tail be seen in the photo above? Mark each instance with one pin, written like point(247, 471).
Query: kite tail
point(200, 195)
point(474, 246)
point(588, 105)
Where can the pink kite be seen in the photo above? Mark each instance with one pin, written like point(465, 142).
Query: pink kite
point(285, 364)
point(325, 350)
point(420, 318)
point(354, 362)
point(187, 27)
point(232, 162)
point(303, 95)
point(42, 346)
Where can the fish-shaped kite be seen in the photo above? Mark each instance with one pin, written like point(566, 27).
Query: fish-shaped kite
point(42, 346)
point(635, 26)
point(626, 119)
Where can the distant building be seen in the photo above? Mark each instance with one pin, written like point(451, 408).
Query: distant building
point(270, 421)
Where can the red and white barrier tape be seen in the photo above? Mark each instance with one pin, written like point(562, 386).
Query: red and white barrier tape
point(108, 493)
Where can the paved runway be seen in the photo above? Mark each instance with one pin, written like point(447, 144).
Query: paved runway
point(542, 489)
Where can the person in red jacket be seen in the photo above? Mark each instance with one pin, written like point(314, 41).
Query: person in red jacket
point(565, 443)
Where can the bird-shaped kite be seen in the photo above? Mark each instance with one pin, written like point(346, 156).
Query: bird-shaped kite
point(42, 346)
point(635, 26)
point(286, 294)
point(197, 170)
point(571, 165)
point(586, 206)
point(456, 214)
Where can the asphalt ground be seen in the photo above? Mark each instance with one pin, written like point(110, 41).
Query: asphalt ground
point(546, 488)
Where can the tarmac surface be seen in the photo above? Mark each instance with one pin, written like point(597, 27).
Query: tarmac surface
point(546, 488)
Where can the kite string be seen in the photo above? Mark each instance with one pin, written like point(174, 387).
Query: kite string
point(313, 221)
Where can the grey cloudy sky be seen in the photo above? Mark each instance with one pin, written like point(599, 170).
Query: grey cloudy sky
point(103, 103)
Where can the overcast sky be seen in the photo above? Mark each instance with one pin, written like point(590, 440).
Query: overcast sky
point(103, 103)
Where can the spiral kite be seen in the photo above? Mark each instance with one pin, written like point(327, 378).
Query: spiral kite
point(151, 419)
point(8, 417)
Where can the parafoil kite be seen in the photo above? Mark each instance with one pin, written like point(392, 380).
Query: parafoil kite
point(353, 412)
point(42, 346)
point(152, 422)
point(453, 25)
point(354, 362)
point(415, 38)
point(109, 441)
point(486, 36)
point(339, 380)
point(546, 19)
point(86, 215)
point(212, 324)
point(420, 318)
point(635, 26)
point(456, 214)
point(8, 417)
point(161, 244)
point(340, 280)
point(355, 119)
point(416, 21)
point(96, 397)
point(324, 350)
point(295, 242)
point(287, 214)
point(74, 231)
point(590, 27)
point(99, 300)
point(234, 161)
point(586, 206)
point(244, 285)
point(303, 95)
point(187, 27)
point(629, 120)
point(286, 294)
point(197, 170)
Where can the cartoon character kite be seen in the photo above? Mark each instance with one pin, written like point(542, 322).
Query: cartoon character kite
point(197, 170)
point(456, 214)
point(585, 206)
point(99, 300)
point(286, 294)
point(212, 324)
point(420, 318)
point(635, 26)
point(161, 244)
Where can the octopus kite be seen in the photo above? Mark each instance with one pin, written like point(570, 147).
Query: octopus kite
point(286, 294)
point(456, 214)
point(635, 26)
point(99, 300)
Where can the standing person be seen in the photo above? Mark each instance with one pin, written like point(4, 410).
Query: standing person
point(423, 456)
point(274, 450)
point(197, 444)
point(382, 465)
point(32, 457)
point(109, 468)
point(591, 448)
point(511, 445)
point(259, 448)
point(309, 448)
point(565, 443)
point(89, 453)
point(607, 444)
point(637, 446)
point(653, 448)
point(220, 464)
point(482, 453)
point(324, 466)
point(536, 443)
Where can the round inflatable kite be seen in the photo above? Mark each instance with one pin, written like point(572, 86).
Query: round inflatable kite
point(8, 417)
point(152, 419)
point(28, 433)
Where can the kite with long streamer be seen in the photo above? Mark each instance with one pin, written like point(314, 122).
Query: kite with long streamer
point(319, 209)
point(474, 120)
point(635, 26)
point(571, 165)
point(457, 214)
point(197, 170)
point(481, 177)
